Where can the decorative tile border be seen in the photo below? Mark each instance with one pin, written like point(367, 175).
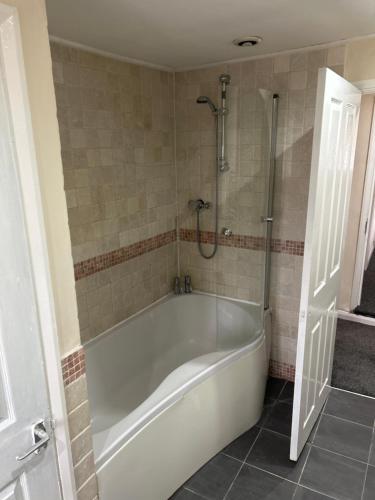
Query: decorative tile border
point(236, 240)
point(290, 247)
point(279, 369)
point(104, 261)
point(107, 260)
point(73, 366)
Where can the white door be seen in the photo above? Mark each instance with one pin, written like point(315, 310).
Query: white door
point(25, 471)
point(335, 131)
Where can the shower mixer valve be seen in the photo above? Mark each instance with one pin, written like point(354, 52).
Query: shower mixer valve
point(198, 205)
point(223, 165)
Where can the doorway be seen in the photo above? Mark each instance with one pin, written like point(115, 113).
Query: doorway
point(354, 348)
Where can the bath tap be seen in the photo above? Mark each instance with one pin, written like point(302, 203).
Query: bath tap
point(188, 287)
point(177, 286)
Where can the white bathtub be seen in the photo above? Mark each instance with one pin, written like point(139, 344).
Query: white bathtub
point(169, 388)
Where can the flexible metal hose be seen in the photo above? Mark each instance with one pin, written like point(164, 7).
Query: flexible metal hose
point(216, 204)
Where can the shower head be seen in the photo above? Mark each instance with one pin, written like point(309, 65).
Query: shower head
point(203, 99)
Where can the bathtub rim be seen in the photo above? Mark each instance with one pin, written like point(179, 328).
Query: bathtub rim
point(165, 298)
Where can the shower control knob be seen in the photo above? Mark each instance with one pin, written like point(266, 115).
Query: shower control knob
point(199, 205)
point(223, 165)
point(227, 232)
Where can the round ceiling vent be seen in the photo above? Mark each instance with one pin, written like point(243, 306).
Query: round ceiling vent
point(247, 41)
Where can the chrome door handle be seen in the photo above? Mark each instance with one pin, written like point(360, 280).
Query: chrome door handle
point(40, 437)
point(266, 219)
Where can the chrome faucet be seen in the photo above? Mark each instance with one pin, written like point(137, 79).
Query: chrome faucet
point(199, 205)
point(188, 287)
point(177, 286)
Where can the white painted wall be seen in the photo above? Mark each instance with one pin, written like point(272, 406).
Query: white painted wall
point(41, 92)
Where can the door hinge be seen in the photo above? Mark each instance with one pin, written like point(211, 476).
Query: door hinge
point(366, 226)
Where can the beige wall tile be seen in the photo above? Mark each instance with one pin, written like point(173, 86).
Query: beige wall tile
point(76, 393)
point(89, 490)
point(79, 419)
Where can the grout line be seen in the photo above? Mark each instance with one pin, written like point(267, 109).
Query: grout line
point(81, 433)
point(83, 458)
point(243, 463)
point(368, 463)
point(270, 473)
point(85, 483)
point(317, 491)
point(199, 495)
point(313, 434)
point(275, 432)
point(346, 420)
point(304, 465)
point(351, 392)
point(77, 408)
point(338, 454)
point(230, 456)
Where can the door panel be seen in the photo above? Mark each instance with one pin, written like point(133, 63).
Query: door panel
point(335, 130)
point(15, 491)
point(23, 387)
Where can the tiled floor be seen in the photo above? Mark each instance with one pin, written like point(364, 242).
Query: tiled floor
point(338, 462)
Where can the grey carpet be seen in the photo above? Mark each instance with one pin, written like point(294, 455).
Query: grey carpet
point(354, 358)
point(367, 305)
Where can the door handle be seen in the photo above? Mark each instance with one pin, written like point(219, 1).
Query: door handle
point(40, 438)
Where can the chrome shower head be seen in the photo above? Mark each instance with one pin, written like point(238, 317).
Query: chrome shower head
point(203, 99)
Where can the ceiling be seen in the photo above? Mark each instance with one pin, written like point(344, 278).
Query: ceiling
point(187, 33)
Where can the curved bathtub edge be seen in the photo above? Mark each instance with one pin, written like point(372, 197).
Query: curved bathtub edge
point(214, 412)
point(174, 396)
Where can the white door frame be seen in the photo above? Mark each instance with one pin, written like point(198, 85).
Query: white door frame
point(10, 39)
point(363, 232)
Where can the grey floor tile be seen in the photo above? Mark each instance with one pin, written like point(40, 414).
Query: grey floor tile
point(286, 395)
point(280, 418)
point(314, 429)
point(274, 387)
point(306, 494)
point(333, 475)
point(271, 453)
point(347, 438)
point(372, 451)
point(240, 447)
point(183, 494)
point(369, 491)
point(213, 479)
point(351, 406)
point(267, 407)
point(254, 484)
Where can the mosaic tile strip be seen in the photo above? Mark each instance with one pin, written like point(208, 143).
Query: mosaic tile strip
point(290, 247)
point(279, 369)
point(106, 260)
point(236, 240)
point(73, 366)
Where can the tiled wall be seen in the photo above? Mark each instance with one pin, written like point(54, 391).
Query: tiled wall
point(74, 375)
point(233, 272)
point(136, 147)
point(238, 272)
point(116, 125)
